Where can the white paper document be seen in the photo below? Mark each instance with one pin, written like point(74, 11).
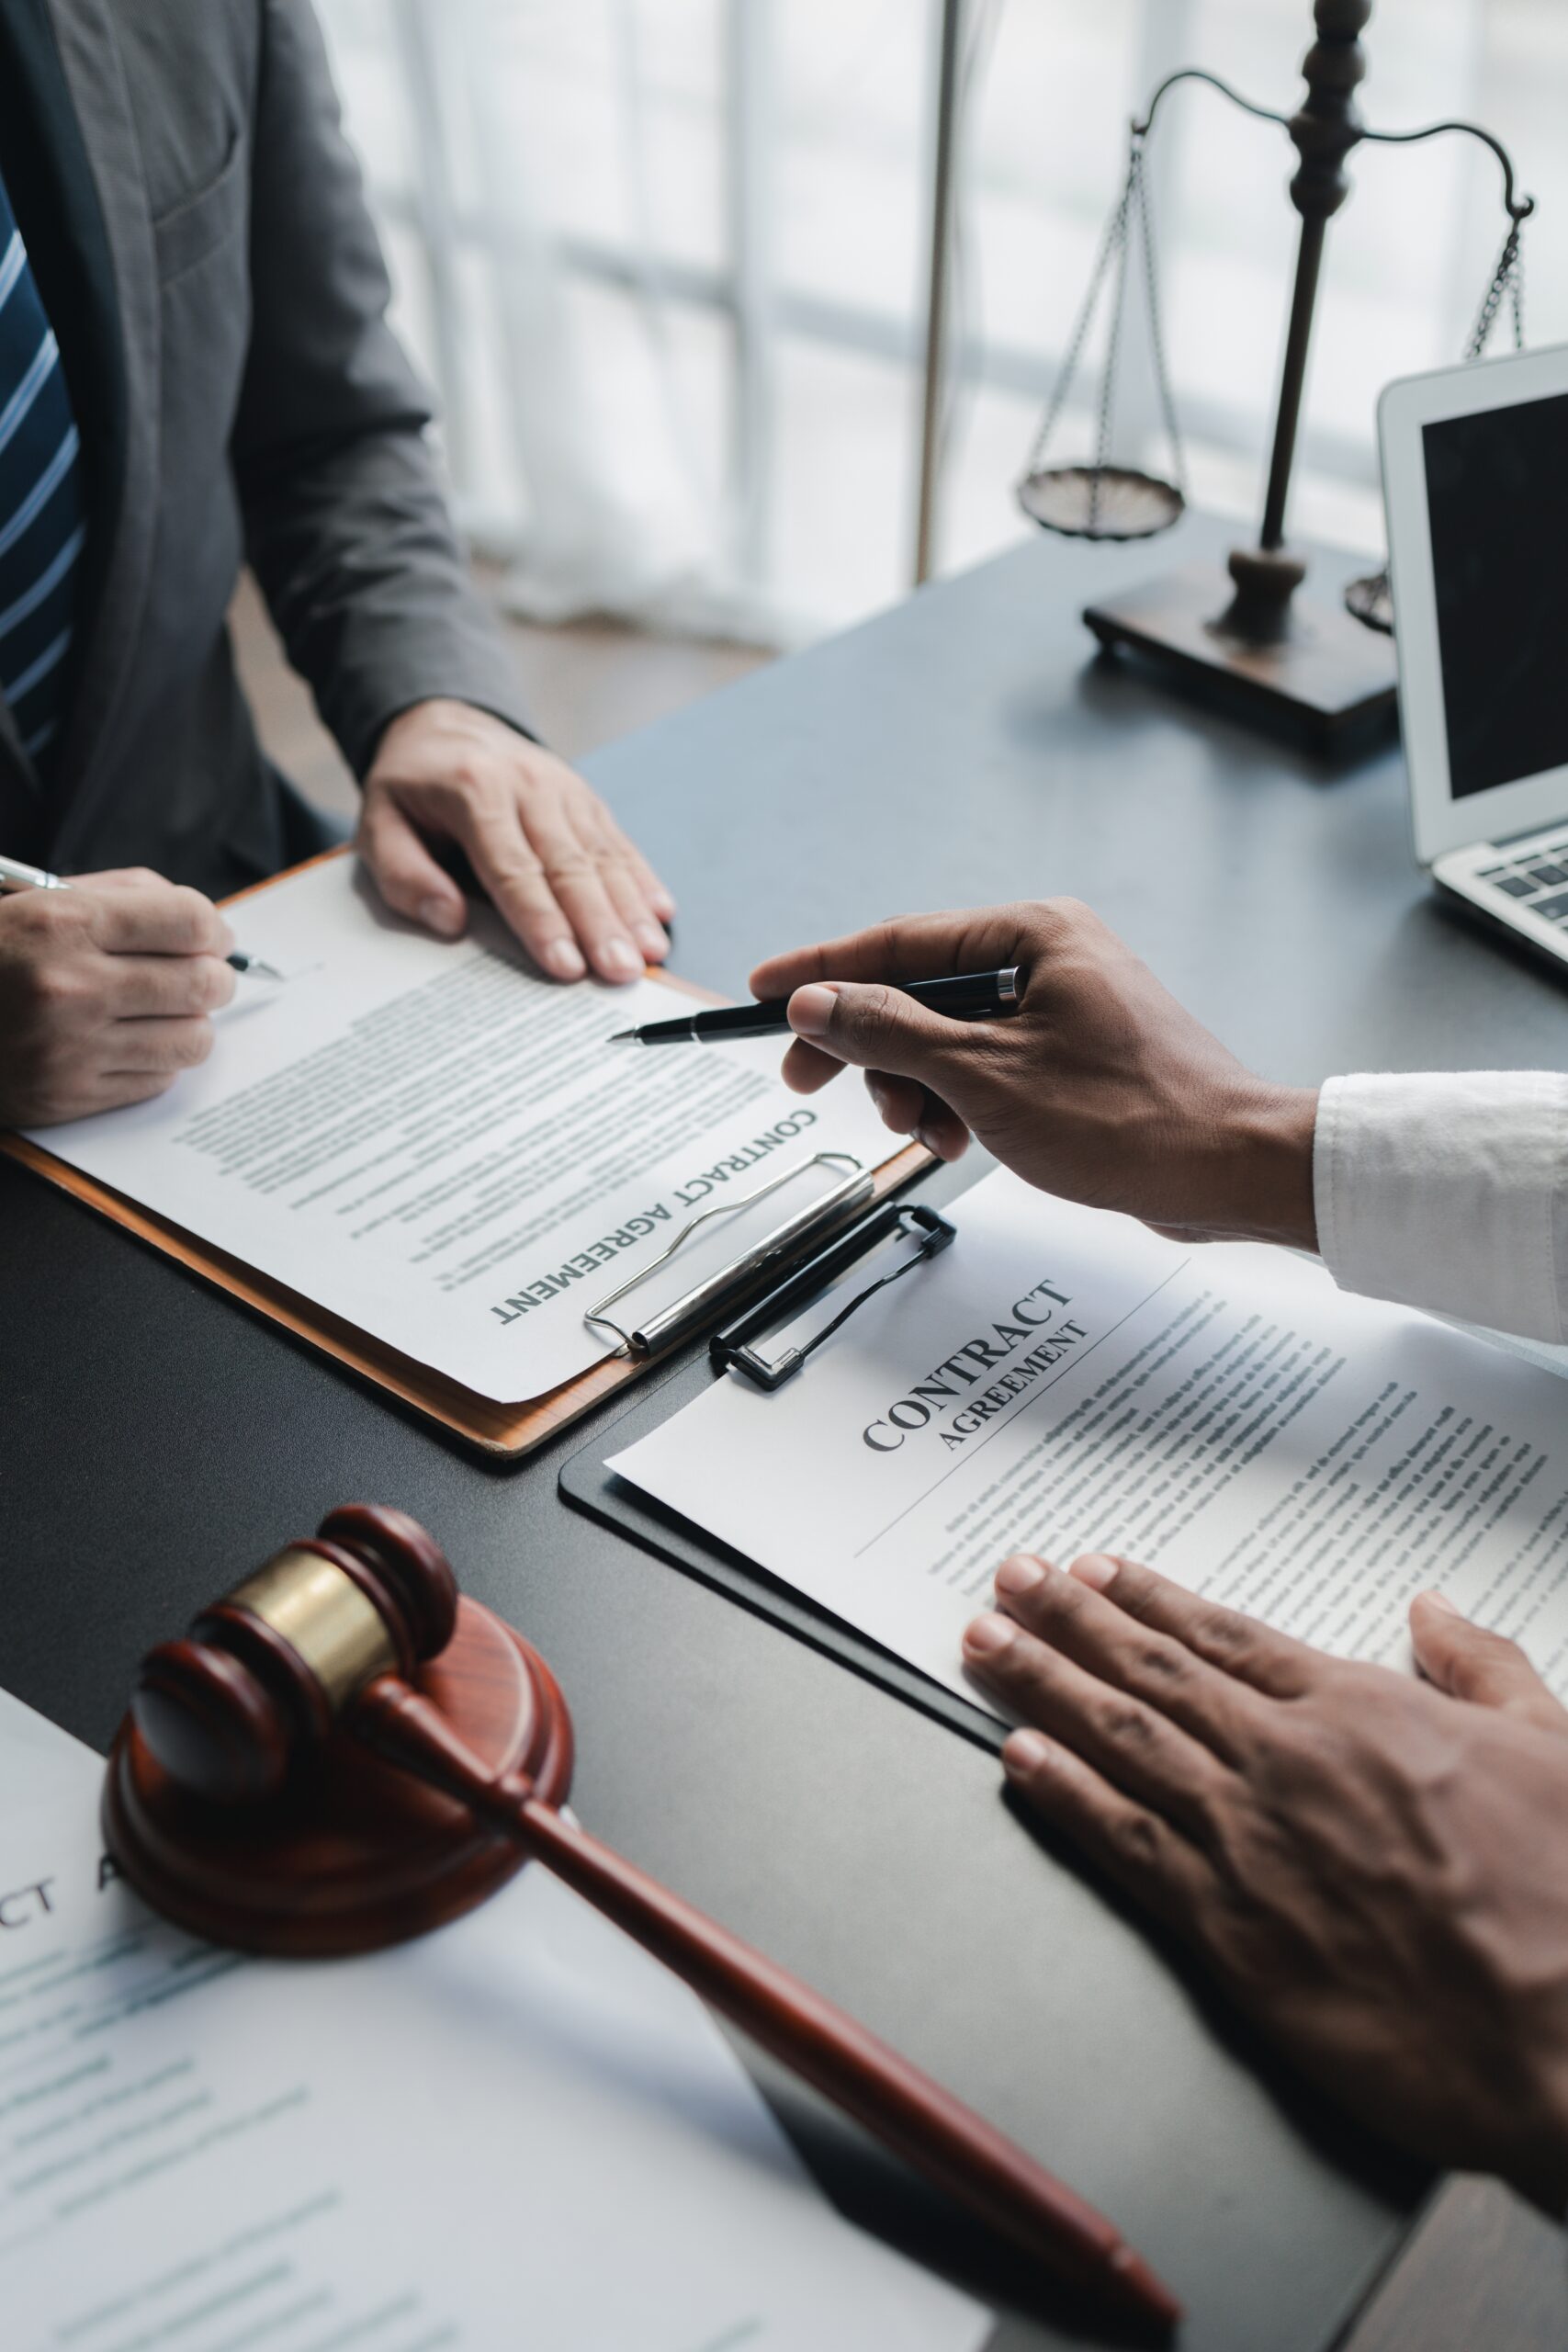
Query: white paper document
point(38, 1762)
point(516, 2132)
point(426, 1140)
point(1062, 1379)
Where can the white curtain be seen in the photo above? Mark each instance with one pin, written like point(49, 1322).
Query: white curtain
point(666, 262)
point(576, 447)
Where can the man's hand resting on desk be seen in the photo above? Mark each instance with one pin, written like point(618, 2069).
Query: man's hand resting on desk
point(1375, 1868)
point(106, 991)
point(543, 846)
point(1101, 1088)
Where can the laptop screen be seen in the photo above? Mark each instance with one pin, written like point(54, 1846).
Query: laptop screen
point(1497, 500)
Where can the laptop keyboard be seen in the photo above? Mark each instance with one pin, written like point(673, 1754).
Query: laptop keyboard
point(1538, 880)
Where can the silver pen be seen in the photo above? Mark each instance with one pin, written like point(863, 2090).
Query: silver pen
point(14, 875)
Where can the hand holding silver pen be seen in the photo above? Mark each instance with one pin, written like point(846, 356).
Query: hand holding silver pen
point(108, 985)
point(14, 875)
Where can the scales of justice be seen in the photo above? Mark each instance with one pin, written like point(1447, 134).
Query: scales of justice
point(1246, 635)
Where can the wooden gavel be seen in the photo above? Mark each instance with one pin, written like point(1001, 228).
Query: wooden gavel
point(249, 1798)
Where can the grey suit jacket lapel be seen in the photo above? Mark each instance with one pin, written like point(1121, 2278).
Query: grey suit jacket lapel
point(93, 69)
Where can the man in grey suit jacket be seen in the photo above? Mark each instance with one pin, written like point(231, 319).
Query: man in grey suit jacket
point(188, 223)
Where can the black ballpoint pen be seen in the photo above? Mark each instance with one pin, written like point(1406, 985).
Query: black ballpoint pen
point(968, 996)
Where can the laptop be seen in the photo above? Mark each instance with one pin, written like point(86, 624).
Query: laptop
point(1476, 482)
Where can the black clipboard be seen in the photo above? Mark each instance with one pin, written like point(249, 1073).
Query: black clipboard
point(589, 1487)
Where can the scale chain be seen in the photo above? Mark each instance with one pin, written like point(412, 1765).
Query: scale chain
point(1156, 343)
point(1370, 599)
point(1116, 228)
point(1506, 278)
point(1129, 219)
point(1113, 340)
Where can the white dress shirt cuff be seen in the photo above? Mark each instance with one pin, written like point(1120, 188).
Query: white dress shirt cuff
point(1449, 1193)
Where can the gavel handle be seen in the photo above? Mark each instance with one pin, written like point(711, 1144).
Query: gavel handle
point(897, 2104)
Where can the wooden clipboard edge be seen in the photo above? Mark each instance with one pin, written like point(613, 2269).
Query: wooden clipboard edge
point(506, 1432)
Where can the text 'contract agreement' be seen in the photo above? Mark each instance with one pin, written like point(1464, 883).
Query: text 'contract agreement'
point(1064, 1381)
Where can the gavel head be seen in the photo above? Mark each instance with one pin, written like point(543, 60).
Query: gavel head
point(285, 1690)
point(234, 1709)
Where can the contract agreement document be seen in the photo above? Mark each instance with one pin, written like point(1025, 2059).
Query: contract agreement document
point(426, 1140)
point(519, 2133)
point(1062, 1379)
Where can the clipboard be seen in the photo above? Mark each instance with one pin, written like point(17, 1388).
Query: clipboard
point(503, 1431)
point(588, 1483)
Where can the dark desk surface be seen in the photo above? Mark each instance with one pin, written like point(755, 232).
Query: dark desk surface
point(154, 1441)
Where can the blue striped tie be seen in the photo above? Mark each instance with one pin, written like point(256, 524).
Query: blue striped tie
point(42, 508)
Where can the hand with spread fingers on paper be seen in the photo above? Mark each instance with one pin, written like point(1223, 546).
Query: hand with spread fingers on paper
point(1101, 1088)
point(543, 846)
point(1376, 1868)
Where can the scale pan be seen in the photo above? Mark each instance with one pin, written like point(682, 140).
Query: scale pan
point(1100, 502)
point(1371, 601)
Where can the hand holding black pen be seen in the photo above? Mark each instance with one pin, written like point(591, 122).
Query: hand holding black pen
point(1098, 1087)
point(966, 996)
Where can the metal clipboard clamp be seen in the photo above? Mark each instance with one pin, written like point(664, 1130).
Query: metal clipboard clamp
point(732, 1349)
point(690, 1310)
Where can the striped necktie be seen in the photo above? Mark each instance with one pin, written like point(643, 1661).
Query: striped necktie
point(42, 507)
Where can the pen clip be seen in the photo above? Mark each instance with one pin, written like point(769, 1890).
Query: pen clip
point(683, 1314)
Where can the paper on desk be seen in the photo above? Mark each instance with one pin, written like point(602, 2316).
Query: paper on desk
point(38, 1762)
point(1062, 1379)
point(518, 2131)
point(422, 1137)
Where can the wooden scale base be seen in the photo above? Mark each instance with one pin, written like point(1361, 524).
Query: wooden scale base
point(375, 1857)
point(1327, 680)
